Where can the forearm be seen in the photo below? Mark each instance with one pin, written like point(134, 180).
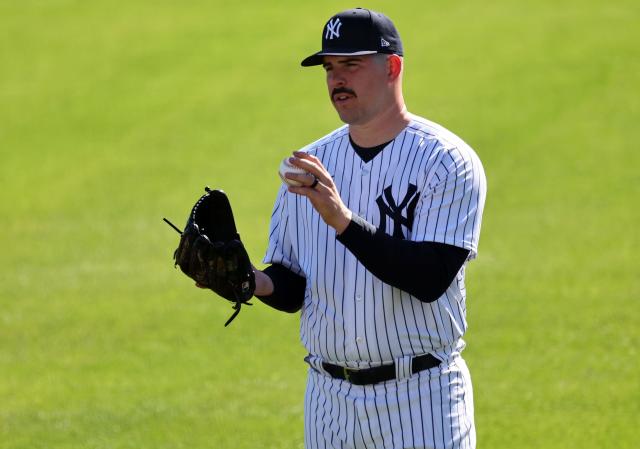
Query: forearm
point(280, 288)
point(423, 269)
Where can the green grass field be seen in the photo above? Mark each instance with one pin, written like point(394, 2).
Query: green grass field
point(115, 114)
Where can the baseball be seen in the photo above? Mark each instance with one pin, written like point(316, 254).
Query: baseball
point(286, 167)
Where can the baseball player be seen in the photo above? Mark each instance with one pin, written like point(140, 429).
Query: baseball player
point(372, 248)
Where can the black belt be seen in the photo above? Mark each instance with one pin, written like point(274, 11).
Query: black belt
point(379, 373)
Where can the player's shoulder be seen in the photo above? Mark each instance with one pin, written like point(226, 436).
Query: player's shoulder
point(328, 140)
point(435, 132)
point(440, 138)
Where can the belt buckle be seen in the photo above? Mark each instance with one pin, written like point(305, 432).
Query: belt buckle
point(345, 372)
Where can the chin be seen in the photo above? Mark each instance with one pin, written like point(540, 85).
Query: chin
point(349, 118)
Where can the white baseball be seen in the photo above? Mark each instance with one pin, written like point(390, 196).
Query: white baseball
point(287, 167)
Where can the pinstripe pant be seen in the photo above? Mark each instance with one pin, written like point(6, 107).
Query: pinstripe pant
point(431, 409)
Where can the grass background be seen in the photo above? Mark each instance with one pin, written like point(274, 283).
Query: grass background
point(115, 114)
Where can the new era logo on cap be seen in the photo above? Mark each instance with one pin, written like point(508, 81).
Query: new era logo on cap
point(357, 31)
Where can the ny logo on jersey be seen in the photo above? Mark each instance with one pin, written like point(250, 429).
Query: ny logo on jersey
point(388, 208)
point(333, 29)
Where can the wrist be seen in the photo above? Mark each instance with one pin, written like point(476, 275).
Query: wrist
point(264, 284)
point(343, 222)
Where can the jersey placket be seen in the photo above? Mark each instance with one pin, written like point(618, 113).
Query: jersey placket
point(352, 314)
point(362, 177)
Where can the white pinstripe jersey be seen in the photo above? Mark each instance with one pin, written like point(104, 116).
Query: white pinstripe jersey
point(426, 185)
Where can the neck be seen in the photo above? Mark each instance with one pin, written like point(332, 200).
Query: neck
point(382, 128)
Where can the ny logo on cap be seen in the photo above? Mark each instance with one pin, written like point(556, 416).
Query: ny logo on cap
point(333, 28)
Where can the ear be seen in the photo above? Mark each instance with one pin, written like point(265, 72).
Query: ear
point(394, 67)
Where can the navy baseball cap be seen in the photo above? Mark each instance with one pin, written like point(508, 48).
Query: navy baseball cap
point(355, 32)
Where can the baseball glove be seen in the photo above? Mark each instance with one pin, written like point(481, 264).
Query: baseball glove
point(211, 253)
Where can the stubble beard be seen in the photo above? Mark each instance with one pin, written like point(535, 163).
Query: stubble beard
point(350, 116)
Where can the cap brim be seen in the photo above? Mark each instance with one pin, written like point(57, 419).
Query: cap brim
point(316, 58)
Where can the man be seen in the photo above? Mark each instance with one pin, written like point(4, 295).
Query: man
point(372, 248)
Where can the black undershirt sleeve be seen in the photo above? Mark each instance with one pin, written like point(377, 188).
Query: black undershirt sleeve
point(423, 269)
point(288, 289)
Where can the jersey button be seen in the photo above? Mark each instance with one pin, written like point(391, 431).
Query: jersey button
point(359, 339)
point(358, 297)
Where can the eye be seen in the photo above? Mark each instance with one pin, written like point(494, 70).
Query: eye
point(352, 65)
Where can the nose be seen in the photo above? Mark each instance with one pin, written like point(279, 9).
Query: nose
point(335, 79)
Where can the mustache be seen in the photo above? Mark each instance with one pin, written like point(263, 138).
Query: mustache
point(342, 90)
